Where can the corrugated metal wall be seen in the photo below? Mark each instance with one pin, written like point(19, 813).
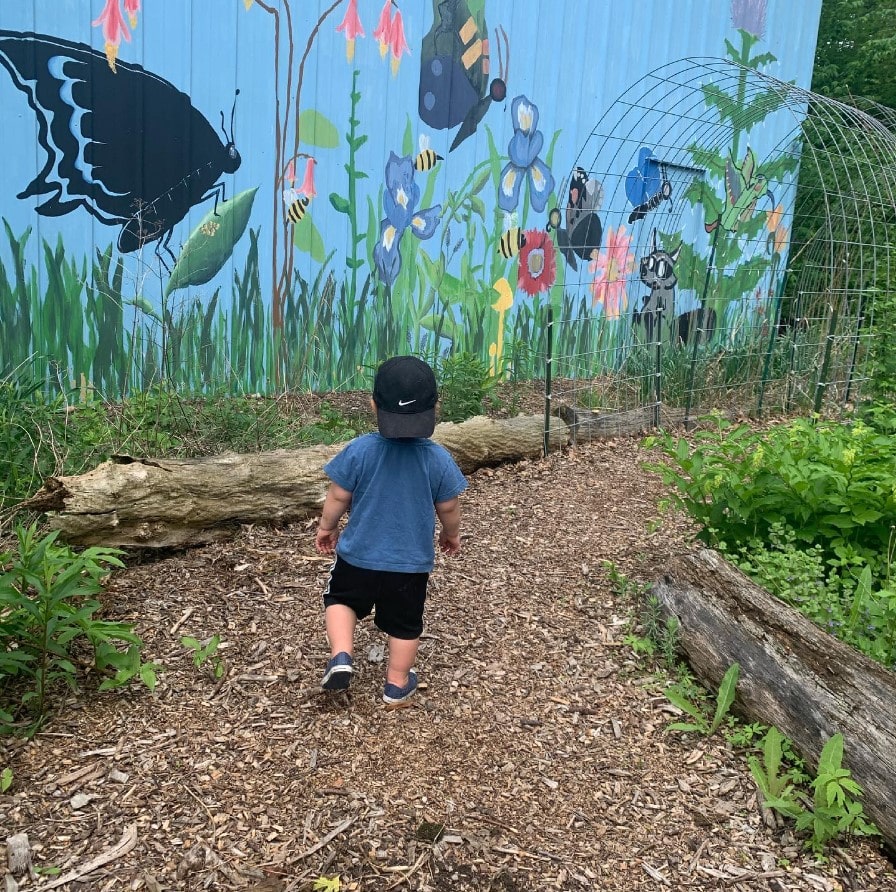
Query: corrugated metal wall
point(290, 234)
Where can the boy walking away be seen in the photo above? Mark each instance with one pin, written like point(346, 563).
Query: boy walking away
point(395, 482)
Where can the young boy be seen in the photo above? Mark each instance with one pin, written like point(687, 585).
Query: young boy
point(395, 482)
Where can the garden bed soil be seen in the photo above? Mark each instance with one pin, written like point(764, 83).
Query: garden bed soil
point(534, 757)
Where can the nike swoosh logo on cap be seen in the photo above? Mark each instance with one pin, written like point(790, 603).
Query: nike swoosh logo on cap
point(406, 402)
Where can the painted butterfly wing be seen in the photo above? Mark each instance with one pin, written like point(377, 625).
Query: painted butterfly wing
point(127, 146)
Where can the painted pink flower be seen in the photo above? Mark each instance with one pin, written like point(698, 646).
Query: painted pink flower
point(611, 268)
point(397, 42)
point(383, 31)
point(132, 7)
point(538, 265)
point(291, 172)
point(307, 187)
point(114, 29)
point(351, 25)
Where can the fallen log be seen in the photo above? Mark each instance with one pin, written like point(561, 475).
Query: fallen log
point(793, 675)
point(164, 503)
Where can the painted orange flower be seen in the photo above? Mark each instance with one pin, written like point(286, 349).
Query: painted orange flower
point(777, 234)
point(383, 31)
point(351, 25)
point(538, 265)
point(611, 268)
point(114, 29)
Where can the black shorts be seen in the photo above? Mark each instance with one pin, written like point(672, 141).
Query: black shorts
point(397, 597)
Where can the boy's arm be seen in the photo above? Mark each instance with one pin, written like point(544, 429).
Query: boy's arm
point(336, 503)
point(449, 518)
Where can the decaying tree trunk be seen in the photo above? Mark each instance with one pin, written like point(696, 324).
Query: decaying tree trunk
point(793, 675)
point(162, 503)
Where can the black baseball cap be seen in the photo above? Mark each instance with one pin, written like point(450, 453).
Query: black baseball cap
point(405, 394)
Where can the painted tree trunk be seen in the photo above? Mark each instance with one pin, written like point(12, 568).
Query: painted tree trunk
point(793, 675)
point(163, 503)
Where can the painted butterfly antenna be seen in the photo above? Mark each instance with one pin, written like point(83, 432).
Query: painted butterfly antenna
point(503, 58)
point(233, 112)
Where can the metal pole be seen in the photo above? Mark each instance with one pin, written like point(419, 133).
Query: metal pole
point(822, 383)
point(549, 359)
point(860, 321)
point(795, 325)
point(775, 321)
point(701, 315)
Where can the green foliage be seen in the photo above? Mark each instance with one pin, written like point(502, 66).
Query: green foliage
point(833, 484)
point(807, 509)
point(205, 652)
point(834, 808)
point(678, 696)
point(5, 779)
point(464, 385)
point(48, 609)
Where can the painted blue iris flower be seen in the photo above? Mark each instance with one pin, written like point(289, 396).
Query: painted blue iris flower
point(400, 204)
point(525, 146)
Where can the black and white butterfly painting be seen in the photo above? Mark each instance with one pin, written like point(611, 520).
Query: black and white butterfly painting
point(125, 145)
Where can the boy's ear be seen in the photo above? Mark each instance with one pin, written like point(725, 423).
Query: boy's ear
point(372, 406)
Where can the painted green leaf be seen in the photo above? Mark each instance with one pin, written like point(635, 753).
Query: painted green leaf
point(446, 327)
point(317, 130)
point(308, 239)
point(354, 264)
point(211, 243)
point(341, 204)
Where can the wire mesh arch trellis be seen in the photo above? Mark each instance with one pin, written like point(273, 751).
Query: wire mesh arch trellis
point(724, 235)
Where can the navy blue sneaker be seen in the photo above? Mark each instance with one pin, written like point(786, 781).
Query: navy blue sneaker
point(394, 695)
point(338, 674)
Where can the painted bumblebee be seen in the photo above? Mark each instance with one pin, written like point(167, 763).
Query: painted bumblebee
point(512, 241)
point(454, 68)
point(427, 158)
point(584, 231)
point(296, 205)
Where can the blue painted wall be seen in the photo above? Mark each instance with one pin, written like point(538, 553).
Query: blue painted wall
point(289, 287)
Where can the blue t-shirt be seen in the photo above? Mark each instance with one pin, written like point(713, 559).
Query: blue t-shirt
point(395, 485)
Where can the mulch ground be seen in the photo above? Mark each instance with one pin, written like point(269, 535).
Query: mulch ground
point(535, 756)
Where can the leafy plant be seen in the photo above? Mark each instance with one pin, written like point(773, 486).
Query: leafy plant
point(47, 608)
point(203, 652)
point(327, 884)
point(834, 807)
point(701, 724)
point(465, 384)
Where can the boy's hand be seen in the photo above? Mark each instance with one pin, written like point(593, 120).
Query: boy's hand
point(325, 541)
point(449, 544)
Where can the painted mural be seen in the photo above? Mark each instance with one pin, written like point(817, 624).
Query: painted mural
point(262, 194)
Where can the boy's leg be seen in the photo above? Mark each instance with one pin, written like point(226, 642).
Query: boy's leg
point(402, 653)
point(340, 622)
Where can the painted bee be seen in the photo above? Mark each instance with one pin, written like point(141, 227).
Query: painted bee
point(296, 205)
point(511, 242)
point(427, 158)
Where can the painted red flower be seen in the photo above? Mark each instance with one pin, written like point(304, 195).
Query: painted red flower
point(538, 265)
point(383, 31)
point(397, 42)
point(351, 25)
point(114, 29)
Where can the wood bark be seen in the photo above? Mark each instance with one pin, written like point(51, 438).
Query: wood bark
point(793, 675)
point(164, 503)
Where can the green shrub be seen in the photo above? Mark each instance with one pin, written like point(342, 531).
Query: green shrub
point(48, 609)
point(465, 383)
